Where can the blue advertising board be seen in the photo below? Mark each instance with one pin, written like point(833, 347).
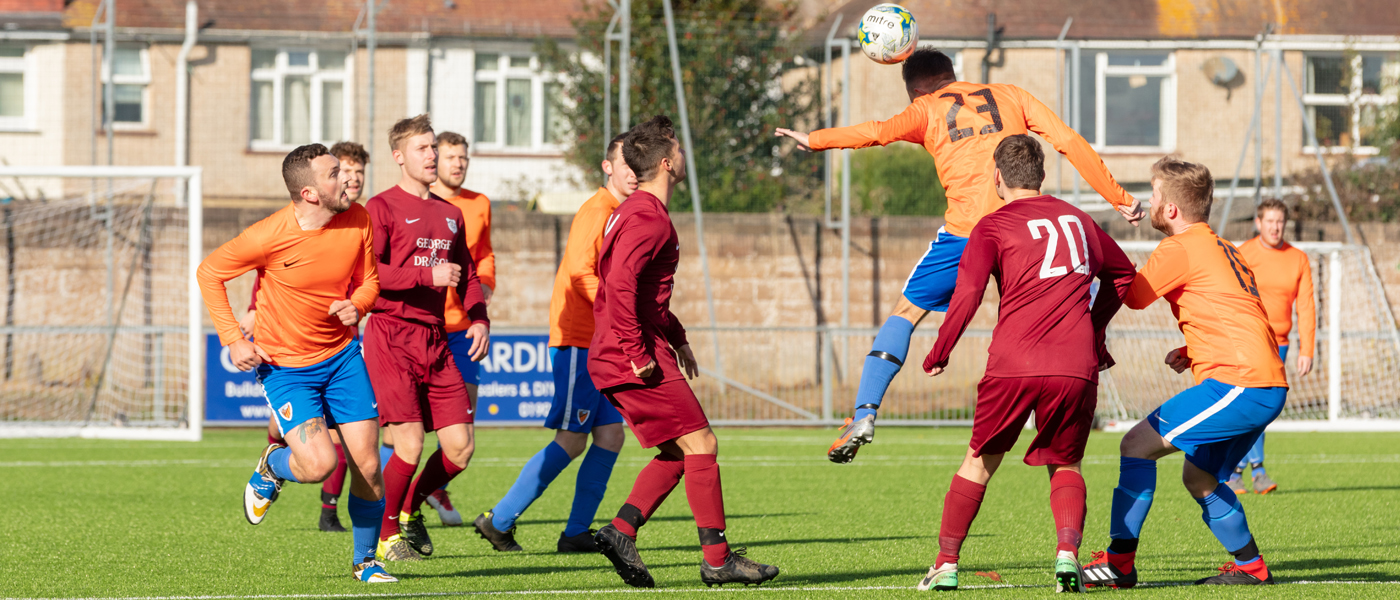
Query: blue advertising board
point(517, 384)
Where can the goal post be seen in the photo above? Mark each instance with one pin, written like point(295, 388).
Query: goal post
point(102, 331)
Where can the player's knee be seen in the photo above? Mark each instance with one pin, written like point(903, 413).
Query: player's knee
point(318, 466)
point(609, 437)
point(573, 443)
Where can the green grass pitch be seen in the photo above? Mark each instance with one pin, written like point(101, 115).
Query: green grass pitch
point(116, 519)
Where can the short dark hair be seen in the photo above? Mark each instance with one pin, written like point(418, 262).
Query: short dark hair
point(1271, 204)
point(296, 168)
point(615, 146)
point(351, 151)
point(407, 128)
point(924, 64)
point(451, 138)
point(647, 144)
point(1021, 161)
point(1187, 185)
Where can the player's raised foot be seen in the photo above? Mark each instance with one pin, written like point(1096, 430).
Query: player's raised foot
point(262, 489)
point(372, 571)
point(446, 512)
point(415, 533)
point(854, 434)
point(1069, 576)
point(1236, 485)
point(940, 578)
point(396, 549)
point(737, 568)
point(621, 551)
point(330, 521)
point(1263, 484)
point(1101, 573)
point(582, 542)
point(502, 541)
point(1232, 574)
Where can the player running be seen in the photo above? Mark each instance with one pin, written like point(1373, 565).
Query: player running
point(1240, 384)
point(353, 159)
point(307, 353)
point(578, 408)
point(1045, 355)
point(420, 245)
point(1284, 275)
point(637, 356)
point(960, 124)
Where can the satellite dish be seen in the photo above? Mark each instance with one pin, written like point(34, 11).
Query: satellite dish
point(1223, 72)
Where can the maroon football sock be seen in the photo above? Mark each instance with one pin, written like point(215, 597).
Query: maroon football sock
point(653, 484)
point(333, 485)
point(960, 507)
point(706, 496)
point(436, 473)
point(272, 439)
point(397, 476)
point(1067, 499)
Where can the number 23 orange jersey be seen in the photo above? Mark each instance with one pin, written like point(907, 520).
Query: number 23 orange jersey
point(961, 124)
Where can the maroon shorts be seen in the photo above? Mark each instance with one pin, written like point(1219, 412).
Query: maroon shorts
point(413, 374)
point(1064, 414)
point(658, 414)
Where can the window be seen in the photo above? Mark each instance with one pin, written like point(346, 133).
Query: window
point(1128, 100)
point(15, 101)
point(514, 104)
point(1345, 95)
point(130, 77)
point(298, 97)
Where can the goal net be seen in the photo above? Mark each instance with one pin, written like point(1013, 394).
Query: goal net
point(101, 333)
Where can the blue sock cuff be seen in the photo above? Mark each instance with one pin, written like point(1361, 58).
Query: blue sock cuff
point(360, 508)
point(1137, 475)
point(1248, 562)
point(280, 463)
point(596, 453)
point(556, 455)
point(893, 337)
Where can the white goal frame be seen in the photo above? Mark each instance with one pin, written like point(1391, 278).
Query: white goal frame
point(194, 200)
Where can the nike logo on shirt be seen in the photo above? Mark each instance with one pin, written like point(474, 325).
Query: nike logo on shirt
point(290, 263)
point(412, 221)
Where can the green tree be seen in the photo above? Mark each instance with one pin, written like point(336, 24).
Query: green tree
point(743, 77)
point(899, 179)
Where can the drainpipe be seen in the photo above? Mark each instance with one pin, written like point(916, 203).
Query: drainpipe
point(182, 93)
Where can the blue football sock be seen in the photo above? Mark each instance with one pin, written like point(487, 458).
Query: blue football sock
point(1222, 512)
point(365, 518)
point(879, 371)
point(592, 483)
point(280, 463)
point(538, 473)
point(1137, 478)
point(384, 453)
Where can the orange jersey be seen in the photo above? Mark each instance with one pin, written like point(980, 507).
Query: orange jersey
point(1284, 276)
point(961, 125)
point(1216, 302)
point(476, 217)
point(303, 273)
point(576, 283)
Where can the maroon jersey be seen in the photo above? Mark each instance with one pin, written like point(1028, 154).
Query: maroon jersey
point(632, 316)
point(411, 236)
point(1044, 254)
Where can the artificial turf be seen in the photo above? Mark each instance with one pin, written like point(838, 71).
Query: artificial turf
point(118, 519)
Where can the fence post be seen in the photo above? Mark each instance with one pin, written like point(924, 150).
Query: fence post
point(1334, 336)
point(826, 373)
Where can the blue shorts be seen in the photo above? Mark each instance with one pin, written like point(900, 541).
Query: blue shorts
point(578, 406)
point(930, 284)
point(461, 346)
point(1283, 354)
point(1215, 423)
point(336, 388)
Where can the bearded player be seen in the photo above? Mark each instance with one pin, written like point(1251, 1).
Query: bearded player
point(1045, 355)
point(307, 353)
point(640, 359)
point(1284, 275)
point(421, 249)
point(578, 409)
point(353, 159)
point(1240, 384)
point(960, 124)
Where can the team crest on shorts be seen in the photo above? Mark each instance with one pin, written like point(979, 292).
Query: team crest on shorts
point(583, 416)
point(452, 224)
point(285, 411)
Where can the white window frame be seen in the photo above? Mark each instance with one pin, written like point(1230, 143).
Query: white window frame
point(500, 76)
point(1102, 71)
point(277, 75)
point(1353, 99)
point(27, 67)
point(143, 80)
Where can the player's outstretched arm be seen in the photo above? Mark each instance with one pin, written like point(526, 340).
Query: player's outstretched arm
point(1165, 271)
point(907, 126)
point(1067, 141)
point(978, 260)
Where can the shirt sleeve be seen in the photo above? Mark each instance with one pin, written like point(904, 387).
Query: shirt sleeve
point(486, 265)
point(240, 255)
point(469, 285)
point(1165, 271)
point(364, 280)
point(907, 126)
point(253, 297)
point(1307, 309)
point(582, 257)
point(978, 261)
point(390, 276)
point(1042, 120)
point(633, 248)
point(1116, 276)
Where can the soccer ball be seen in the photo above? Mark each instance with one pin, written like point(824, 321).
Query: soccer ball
point(888, 33)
